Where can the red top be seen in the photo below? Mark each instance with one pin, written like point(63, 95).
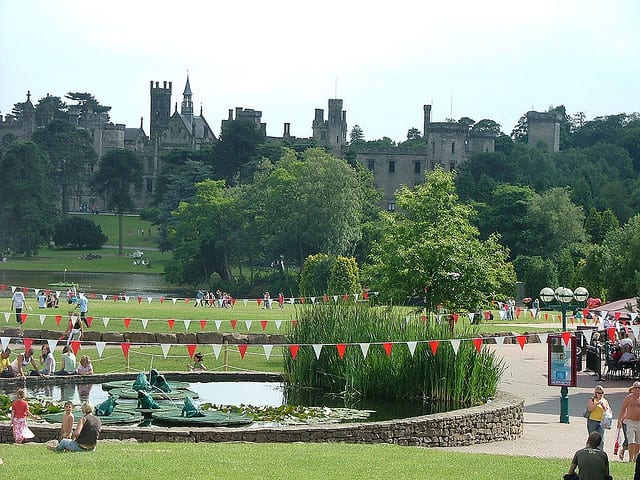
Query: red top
point(20, 408)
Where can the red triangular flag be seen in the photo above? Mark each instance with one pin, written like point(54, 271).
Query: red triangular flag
point(89, 321)
point(612, 333)
point(93, 295)
point(518, 313)
point(342, 347)
point(565, 337)
point(487, 315)
point(434, 346)
point(546, 317)
point(115, 298)
point(191, 348)
point(522, 339)
point(325, 298)
point(294, 322)
point(259, 300)
point(365, 295)
point(387, 348)
point(264, 324)
point(617, 315)
point(186, 300)
point(139, 299)
point(161, 299)
point(27, 343)
point(302, 299)
point(23, 317)
point(478, 343)
point(345, 297)
point(585, 312)
point(243, 349)
point(294, 350)
point(3, 287)
point(455, 318)
point(75, 346)
point(127, 322)
point(233, 324)
point(58, 319)
point(171, 323)
point(203, 324)
point(125, 348)
point(423, 318)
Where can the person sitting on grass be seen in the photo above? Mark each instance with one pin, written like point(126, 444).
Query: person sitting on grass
point(85, 367)
point(590, 461)
point(198, 362)
point(85, 436)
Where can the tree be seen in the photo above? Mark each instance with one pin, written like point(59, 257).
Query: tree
point(87, 103)
point(621, 260)
point(27, 201)
point(487, 126)
point(236, 156)
point(119, 172)
point(356, 135)
point(50, 108)
point(205, 234)
point(429, 247)
point(314, 277)
point(79, 233)
point(71, 155)
point(414, 134)
point(345, 277)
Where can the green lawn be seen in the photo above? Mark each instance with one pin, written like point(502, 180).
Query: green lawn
point(131, 226)
point(235, 461)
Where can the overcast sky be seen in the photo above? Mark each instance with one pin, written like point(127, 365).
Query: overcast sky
point(493, 59)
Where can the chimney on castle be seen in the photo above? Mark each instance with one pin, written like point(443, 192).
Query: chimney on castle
point(427, 120)
point(287, 132)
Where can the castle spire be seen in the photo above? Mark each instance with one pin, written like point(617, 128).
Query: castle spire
point(187, 103)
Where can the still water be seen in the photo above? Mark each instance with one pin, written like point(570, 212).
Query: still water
point(107, 283)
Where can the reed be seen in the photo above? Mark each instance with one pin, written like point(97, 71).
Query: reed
point(452, 380)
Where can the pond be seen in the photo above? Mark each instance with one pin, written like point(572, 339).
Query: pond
point(107, 283)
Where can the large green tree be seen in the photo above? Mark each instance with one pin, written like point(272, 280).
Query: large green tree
point(119, 174)
point(236, 156)
point(27, 200)
point(429, 247)
point(71, 156)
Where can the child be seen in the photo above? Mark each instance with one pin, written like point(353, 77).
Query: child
point(85, 367)
point(198, 363)
point(19, 413)
point(67, 421)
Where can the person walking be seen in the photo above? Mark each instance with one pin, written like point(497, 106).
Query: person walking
point(18, 302)
point(597, 405)
point(630, 414)
point(83, 305)
point(591, 462)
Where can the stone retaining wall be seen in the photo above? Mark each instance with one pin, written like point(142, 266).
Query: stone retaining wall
point(500, 419)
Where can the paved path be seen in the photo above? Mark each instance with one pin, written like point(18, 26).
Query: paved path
point(544, 435)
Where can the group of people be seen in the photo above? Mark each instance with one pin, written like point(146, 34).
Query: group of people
point(211, 299)
point(82, 438)
point(592, 461)
point(267, 301)
point(50, 300)
point(46, 365)
point(47, 299)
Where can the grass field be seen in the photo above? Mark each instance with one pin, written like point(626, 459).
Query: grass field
point(309, 461)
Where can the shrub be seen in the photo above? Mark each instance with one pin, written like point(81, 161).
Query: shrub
point(314, 279)
point(79, 233)
point(344, 277)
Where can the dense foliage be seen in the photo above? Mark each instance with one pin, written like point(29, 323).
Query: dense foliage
point(452, 380)
point(79, 234)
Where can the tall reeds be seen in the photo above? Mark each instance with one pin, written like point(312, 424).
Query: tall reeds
point(446, 378)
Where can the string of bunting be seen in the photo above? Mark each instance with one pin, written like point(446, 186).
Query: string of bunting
point(341, 348)
point(289, 300)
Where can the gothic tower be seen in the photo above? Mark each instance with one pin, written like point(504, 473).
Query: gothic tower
point(160, 108)
point(187, 104)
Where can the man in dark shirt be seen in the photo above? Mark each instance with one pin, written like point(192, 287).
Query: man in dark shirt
point(592, 463)
point(85, 436)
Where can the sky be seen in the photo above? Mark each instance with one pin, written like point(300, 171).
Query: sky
point(495, 59)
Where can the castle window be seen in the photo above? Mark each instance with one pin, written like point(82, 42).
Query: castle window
point(452, 166)
point(391, 207)
point(433, 148)
point(149, 185)
point(392, 166)
point(453, 147)
point(416, 167)
point(323, 135)
point(371, 165)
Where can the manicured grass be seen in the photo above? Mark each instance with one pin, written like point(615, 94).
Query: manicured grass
point(131, 226)
point(234, 461)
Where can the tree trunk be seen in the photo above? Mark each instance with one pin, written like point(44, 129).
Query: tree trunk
point(120, 221)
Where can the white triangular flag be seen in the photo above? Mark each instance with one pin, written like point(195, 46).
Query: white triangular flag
point(636, 331)
point(105, 320)
point(4, 341)
point(248, 324)
point(216, 349)
point(218, 323)
point(186, 324)
point(503, 314)
point(245, 301)
point(165, 349)
point(439, 319)
point(52, 344)
point(588, 333)
point(534, 312)
point(267, 350)
point(412, 347)
point(603, 315)
point(36, 291)
point(499, 341)
point(100, 348)
point(335, 299)
point(126, 299)
point(174, 300)
point(145, 322)
point(6, 316)
point(13, 289)
point(42, 317)
point(58, 294)
point(471, 315)
point(104, 298)
point(355, 297)
point(364, 348)
point(407, 319)
point(317, 348)
point(313, 300)
point(543, 337)
point(149, 299)
point(633, 316)
point(455, 343)
point(278, 323)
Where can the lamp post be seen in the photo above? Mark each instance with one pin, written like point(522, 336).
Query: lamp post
point(564, 295)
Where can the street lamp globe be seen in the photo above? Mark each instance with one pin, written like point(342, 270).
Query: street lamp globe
point(547, 295)
point(564, 294)
point(581, 294)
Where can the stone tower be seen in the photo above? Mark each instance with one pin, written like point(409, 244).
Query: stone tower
point(333, 131)
point(187, 104)
point(544, 127)
point(160, 108)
